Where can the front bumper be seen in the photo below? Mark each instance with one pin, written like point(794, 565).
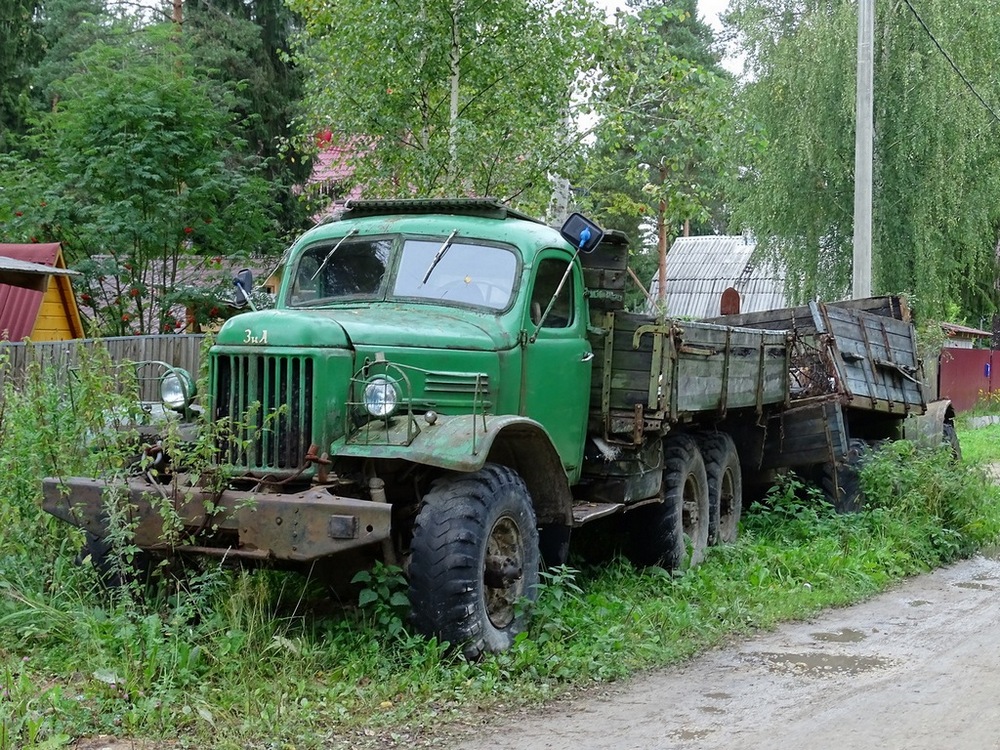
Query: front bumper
point(297, 527)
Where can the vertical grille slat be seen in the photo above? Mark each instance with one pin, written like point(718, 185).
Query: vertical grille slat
point(267, 398)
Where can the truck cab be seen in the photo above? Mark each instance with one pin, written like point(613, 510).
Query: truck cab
point(419, 394)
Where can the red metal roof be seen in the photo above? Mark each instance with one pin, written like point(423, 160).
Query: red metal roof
point(19, 306)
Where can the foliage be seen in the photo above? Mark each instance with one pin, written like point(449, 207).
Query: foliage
point(217, 658)
point(935, 208)
point(20, 47)
point(133, 173)
point(447, 97)
point(243, 48)
point(656, 158)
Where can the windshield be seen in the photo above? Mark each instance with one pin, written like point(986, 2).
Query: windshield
point(354, 271)
point(465, 273)
point(457, 271)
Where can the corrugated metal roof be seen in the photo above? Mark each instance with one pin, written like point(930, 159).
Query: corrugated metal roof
point(19, 306)
point(700, 269)
point(14, 265)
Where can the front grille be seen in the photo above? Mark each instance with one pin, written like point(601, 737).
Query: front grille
point(263, 405)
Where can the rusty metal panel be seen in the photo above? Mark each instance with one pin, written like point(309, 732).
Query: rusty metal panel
point(298, 527)
point(964, 375)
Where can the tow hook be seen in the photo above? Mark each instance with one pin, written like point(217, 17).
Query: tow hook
point(322, 462)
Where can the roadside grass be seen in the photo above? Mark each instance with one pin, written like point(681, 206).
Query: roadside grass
point(980, 444)
point(261, 660)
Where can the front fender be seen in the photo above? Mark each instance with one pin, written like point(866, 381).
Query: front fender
point(928, 429)
point(457, 443)
point(465, 443)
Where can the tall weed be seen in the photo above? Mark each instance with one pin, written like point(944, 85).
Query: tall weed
point(233, 659)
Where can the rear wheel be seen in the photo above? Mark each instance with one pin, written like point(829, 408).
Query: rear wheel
point(656, 533)
point(725, 486)
point(841, 482)
point(474, 555)
point(950, 438)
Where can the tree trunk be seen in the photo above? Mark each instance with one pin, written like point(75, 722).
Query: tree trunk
point(453, 65)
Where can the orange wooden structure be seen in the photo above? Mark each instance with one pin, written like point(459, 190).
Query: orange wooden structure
point(36, 296)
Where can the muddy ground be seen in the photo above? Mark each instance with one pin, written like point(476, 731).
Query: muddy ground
point(915, 668)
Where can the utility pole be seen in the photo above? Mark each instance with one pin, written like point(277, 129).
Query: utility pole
point(863, 151)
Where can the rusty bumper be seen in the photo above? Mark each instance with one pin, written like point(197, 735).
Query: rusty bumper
point(296, 527)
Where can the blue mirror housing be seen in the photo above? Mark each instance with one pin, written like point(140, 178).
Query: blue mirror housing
point(581, 233)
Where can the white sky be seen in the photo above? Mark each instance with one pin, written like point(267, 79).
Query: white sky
point(710, 10)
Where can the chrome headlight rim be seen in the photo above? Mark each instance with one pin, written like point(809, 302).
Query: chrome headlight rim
point(177, 389)
point(381, 397)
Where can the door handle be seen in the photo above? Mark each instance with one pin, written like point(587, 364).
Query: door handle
point(587, 357)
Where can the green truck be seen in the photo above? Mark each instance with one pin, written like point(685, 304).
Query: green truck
point(453, 387)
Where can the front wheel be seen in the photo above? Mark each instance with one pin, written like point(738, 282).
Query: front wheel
point(474, 555)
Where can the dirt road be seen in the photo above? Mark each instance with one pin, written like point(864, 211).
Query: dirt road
point(916, 668)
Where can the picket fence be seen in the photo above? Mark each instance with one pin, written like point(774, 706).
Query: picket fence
point(59, 359)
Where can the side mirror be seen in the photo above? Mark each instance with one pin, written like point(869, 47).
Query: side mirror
point(243, 281)
point(583, 234)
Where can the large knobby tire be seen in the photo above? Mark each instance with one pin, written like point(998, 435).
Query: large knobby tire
point(841, 482)
point(950, 438)
point(113, 570)
point(725, 486)
point(656, 533)
point(474, 555)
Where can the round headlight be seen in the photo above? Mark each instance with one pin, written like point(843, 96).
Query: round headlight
point(381, 397)
point(177, 389)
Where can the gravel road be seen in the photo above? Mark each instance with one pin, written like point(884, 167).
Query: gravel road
point(915, 668)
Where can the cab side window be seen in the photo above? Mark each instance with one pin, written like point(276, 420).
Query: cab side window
point(550, 273)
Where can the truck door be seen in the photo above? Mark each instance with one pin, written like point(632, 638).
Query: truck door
point(555, 384)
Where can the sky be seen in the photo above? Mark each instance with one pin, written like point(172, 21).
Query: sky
point(710, 10)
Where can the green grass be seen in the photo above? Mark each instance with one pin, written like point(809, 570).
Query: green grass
point(261, 660)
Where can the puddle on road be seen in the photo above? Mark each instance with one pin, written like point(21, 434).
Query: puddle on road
point(692, 734)
point(976, 585)
point(718, 696)
point(821, 665)
point(846, 635)
point(711, 710)
point(919, 603)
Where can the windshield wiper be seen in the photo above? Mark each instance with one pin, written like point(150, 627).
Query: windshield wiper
point(330, 254)
point(437, 256)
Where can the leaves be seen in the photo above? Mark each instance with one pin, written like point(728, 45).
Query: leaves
point(936, 152)
point(444, 97)
point(660, 107)
point(134, 173)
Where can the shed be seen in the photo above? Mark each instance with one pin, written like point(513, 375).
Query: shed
point(36, 296)
point(963, 337)
point(700, 270)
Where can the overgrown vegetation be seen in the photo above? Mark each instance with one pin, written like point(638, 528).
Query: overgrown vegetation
point(262, 660)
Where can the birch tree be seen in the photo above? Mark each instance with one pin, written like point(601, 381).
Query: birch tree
point(936, 205)
point(447, 97)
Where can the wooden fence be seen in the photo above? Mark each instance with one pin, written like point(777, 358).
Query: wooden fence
point(60, 358)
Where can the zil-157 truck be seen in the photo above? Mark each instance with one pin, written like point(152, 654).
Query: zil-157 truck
point(453, 387)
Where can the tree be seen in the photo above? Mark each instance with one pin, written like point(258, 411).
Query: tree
point(655, 161)
point(21, 45)
point(447, 96)
point(133, 172)
point(937, 184)
point(242, 46)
